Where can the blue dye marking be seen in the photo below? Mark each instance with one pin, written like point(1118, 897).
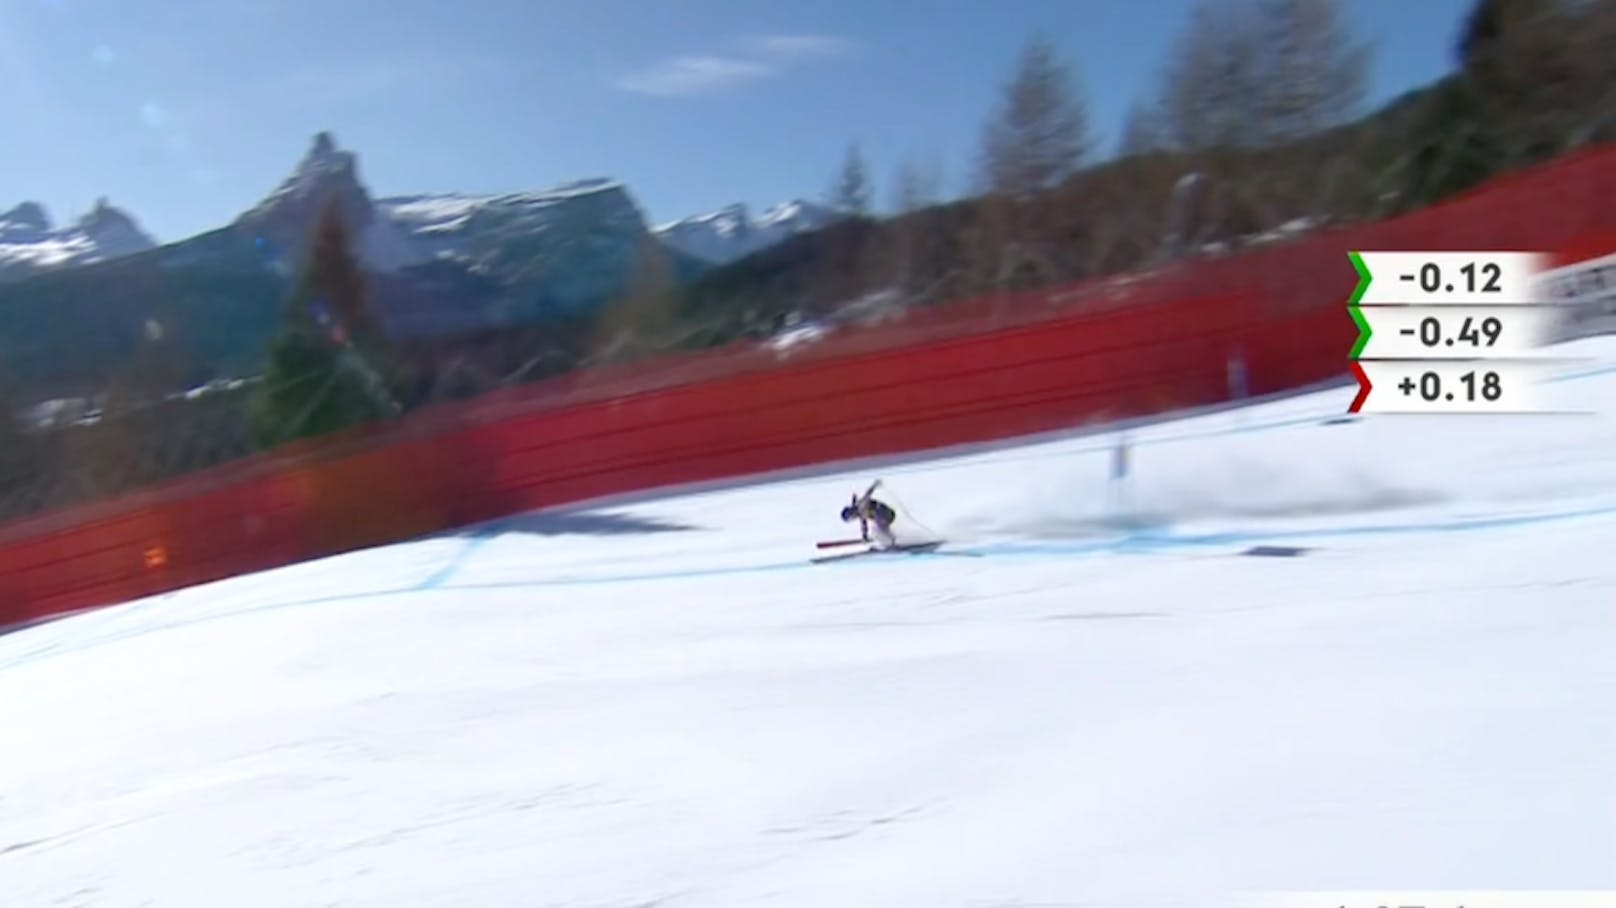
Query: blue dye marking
point(447, 573)
point(1143, 542)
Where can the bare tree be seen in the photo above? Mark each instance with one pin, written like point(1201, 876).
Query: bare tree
point(1039, 135)
point(916, 185)
point(642, 319)
point(1141, 131)
point(1210, 93)
point(1314, 68)
point(850, 194)
point(1245, 73)
point(18, 454)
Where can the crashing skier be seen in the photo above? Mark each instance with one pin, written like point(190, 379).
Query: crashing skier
point(872, 513)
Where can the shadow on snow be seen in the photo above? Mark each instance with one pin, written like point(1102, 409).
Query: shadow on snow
point(572, 523)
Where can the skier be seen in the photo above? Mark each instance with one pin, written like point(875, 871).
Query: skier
point(870, 512)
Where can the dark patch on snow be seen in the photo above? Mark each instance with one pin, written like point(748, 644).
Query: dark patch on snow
point(574, 523)
point(1276, 551)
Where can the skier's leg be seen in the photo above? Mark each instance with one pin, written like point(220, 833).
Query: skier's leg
point(883, 536)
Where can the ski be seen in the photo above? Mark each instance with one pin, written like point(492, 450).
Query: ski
point(838, 543)
point(913, 548)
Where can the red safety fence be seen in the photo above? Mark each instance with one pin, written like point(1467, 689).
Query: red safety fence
point(937, 377)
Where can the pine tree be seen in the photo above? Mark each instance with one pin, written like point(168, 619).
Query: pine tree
point(1141, 132)
point(1533, 81)
point(325, 369)
point(1494, 25)
point(851, 193)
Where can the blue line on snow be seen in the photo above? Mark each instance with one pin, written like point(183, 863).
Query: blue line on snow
point(459, 560)
point(1137, 542)
point(1588, 373)
point(456, 561)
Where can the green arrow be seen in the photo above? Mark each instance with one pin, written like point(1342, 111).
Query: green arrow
point(1363, 278)
point(1364, 331)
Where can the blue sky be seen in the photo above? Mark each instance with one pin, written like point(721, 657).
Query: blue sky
point(185, 112)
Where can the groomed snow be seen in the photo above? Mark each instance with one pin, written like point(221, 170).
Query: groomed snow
point(1091, 700)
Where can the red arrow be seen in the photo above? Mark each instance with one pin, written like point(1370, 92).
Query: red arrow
point(1363, 388)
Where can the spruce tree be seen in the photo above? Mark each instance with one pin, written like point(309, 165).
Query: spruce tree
point(327, 366)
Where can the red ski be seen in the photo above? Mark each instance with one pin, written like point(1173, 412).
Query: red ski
point(838, 543)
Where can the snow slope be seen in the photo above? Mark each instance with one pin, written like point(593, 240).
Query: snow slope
point(1089, 700)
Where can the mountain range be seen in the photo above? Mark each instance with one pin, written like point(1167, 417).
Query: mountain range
point(79, 303)
point(30, 243)
point(730, 234)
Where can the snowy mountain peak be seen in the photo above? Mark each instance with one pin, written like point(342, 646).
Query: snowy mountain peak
point(731, 233)
point(591, 218)
point(113, 231)
point(29, 244)
point(327, 175)
point(104, 215)
point(737, 213)
point(434, 215)
point(29, 217)
point(323, 172)
point(585, 186)
point(797, 212)
point(325, 158)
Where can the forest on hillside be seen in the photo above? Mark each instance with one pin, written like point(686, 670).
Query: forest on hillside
point(1255, 129)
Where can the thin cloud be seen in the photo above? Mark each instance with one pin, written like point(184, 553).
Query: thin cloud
point(684, 76)
point(794, 47)
point(769, 56)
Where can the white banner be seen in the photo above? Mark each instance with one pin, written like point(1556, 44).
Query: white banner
point(1449, 278)
point(1476, 386)
point(1455, 332)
